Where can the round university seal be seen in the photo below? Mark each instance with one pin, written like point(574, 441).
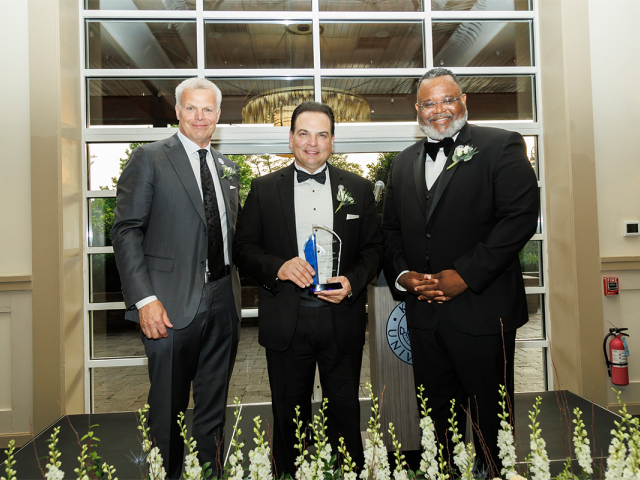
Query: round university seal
point(398, 334)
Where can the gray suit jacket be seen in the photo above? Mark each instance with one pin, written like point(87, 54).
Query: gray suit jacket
point(159, 235)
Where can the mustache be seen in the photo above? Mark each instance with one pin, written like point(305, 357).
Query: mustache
point(440, 115)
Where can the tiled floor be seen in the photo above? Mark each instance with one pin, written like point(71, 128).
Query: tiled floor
point(125, 388)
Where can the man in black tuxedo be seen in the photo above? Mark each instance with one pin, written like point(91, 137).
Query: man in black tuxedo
point(299, 329)
point(452, 233)
point(177, 204)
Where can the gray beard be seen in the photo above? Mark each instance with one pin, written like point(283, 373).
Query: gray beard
point(433, 134)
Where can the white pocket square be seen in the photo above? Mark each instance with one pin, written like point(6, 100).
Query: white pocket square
point(231, 187)
point(352, 217)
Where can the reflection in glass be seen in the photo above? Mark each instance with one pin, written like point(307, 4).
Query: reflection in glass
point(131, 44)
point(113, 336)
point(531, 263)
point(499, 98)
point(258, 5)
point(530, 370)
point(262, 100)
point(482, 44)
point(532, 153)
point(142, 102)
point(367, 6)
point(104, 281)
point(140, 4)
point(259, 45)
point(371, 99)
point(371, 45)
point(119, 389)
point(481, 5)
point(101, 221)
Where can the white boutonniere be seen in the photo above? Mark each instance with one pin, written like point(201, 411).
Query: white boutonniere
point(229, 172)
point(462, 153)
point(344, 198)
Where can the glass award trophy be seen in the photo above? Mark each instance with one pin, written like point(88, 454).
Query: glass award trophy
point(322, 250)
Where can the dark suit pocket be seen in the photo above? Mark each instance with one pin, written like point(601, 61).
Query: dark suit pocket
point(159, 263)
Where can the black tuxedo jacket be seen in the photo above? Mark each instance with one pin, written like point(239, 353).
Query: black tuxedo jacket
point(483, 213)
point(266, 238)
point(159, 233)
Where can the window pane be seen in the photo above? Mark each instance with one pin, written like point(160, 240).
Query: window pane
point(371, 45)
point(129, 44)
point(480, 5)
point(530, 366)
point(263, 100)
point(377, 6)
point(532, 153)
point(534, 328)
point(113, 336)
point(482, 44)
point(106, 161)
point(499, 98)
point(258, 5)
point(104, 281)
point(140, 4)
point(531, 263)
point(146, 102)
point(368, 99)
point(259, 45)
point(100, 221)
point(120, 389)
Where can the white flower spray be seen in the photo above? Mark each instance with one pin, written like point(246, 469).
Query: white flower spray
point(234, 468)
point(348, 468)
point(617, 447)
point(322, 462)
point(428, 461)
point(260, 466)
point(376, 462)
point(192, 468)
point(53, 460)
point(154, 458)
point(506, 446)
point(581, 443)
point(463, 456)
point(400, 472)
point(539, 457)
point(10, 463)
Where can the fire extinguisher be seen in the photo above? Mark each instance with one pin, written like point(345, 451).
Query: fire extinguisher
point(618, 367)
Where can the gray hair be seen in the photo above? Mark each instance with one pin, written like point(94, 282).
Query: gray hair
point(197, 83)
point(439, 72)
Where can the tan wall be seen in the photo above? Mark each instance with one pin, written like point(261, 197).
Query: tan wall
point(572, 217)
point(613, 30)
point(16, 372)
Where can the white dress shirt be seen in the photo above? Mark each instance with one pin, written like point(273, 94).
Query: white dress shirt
point(432, 170)
point(313, 206)
point(194, 158)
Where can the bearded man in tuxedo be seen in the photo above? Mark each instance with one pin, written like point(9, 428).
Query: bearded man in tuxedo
point(299, 329)
point(459, 206)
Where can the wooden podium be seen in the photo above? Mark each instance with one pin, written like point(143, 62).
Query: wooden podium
point(391, 377)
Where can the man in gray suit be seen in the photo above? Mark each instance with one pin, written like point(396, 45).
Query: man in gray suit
point(177, 204)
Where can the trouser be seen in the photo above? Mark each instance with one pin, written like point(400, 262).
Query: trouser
point(203, 353)
point(291, 375)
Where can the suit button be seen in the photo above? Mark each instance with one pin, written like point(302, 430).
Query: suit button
point(428, 196)
point(428, 235)
point(296, 289)
point(202, 263)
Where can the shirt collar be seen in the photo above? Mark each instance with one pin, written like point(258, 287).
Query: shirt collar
point(189, 146)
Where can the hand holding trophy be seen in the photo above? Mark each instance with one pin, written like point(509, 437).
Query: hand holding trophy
point(322, 250)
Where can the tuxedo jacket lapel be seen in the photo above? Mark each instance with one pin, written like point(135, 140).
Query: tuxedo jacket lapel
point(448, 173)
point(341, 216)
point(178, 158)
point(419, 178)
point(218, 162)
point(287, 202)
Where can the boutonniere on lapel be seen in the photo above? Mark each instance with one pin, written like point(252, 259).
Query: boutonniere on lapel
point(344, 197)
point(229, 172)
point(462, 153)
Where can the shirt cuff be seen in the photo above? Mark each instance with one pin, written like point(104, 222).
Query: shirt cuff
point(398, 286)
point(146, 301)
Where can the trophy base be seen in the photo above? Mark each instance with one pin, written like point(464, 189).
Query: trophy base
point(321, 287)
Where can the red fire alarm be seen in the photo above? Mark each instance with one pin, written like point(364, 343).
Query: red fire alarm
point(611, 285)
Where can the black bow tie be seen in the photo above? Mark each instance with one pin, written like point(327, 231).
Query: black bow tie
point(320, 177)
point(433, 148)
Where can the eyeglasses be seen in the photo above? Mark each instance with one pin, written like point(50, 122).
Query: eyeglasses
point(445, 103)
